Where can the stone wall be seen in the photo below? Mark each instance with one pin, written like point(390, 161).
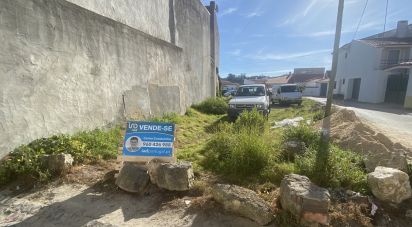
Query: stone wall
point(66, 67)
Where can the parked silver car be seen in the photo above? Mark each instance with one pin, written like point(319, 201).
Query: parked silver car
point(248, 97)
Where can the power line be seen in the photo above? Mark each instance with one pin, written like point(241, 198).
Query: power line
point(360, 20)
point(386, 14)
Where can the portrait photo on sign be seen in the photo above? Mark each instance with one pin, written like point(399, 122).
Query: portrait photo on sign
point(133, 144)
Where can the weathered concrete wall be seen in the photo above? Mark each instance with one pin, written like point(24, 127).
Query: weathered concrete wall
point(149, 16)
point(64, 68)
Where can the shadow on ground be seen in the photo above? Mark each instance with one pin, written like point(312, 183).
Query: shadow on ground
point(93, 203)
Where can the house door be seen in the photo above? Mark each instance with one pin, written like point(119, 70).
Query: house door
point(396, 88)
point(323, 89)
point(356, 88)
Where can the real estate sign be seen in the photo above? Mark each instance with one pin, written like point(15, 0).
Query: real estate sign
point(148, 139)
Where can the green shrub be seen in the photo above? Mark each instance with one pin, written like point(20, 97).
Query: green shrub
point(344, 169)
point(318, 115)
point(252, 121)
point(303, 136)
point(190, 112)
point(237, 154)
point(302, 133)
point(275, 172)
point(240, 149)
point(84, 147)
point(216, 105)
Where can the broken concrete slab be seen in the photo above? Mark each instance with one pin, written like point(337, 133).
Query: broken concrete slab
point(171, 176)
point(133, 178)
point(389, 184)
point(244, 202)
point(307, 201)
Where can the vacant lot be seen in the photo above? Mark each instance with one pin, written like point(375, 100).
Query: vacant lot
point(248, 153)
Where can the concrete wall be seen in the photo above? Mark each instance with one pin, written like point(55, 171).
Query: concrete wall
point(149, 16)
point(64, 68)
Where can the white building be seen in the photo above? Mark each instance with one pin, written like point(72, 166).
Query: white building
point(316, 88)
point(377, 69)
point(229, 86)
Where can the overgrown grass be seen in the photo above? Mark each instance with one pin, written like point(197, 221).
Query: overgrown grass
point(309, 110)
point(88, 146)
point(167, 117)
point(212, 105)
point(194, 129)
point(344, 169)
point(240, 150)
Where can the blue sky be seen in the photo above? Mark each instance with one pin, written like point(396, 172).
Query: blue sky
point(271, 37)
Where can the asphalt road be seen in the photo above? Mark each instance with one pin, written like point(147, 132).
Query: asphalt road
point(392, 120)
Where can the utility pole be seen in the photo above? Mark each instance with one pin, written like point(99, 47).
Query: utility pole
point(323, 153)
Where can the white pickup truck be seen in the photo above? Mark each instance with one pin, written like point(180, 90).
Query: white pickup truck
point(248, 97)
point(286, 94)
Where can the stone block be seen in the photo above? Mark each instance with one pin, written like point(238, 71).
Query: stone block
point(171, 176)
point(244, 202)
point(133, 178)
point(389, 184)
point(308, 202)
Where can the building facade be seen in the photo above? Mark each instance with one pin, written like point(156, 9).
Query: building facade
point(377, 69)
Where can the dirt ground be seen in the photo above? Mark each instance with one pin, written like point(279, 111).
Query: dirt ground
point(87, 196)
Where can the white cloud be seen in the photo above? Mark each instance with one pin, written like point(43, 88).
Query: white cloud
point(363, 27)
point(228, 11)
point(254, 14)
point(314, 8)
point(287, 56)
point(309, 7)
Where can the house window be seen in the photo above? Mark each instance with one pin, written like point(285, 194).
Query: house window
point(346, 55)
point(343, 81)
point(334, 85)
point(393, 57)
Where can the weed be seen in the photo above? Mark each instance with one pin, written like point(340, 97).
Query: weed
point(252, 121)
point(344, 169)
point(303, 133)
point(275, 172)
point(167, 118)
point(84, 147)
point(239, 150)
point(318, 115)
point(216, 105)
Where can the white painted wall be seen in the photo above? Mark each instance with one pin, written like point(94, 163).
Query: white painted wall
point(311, 89)
point(363, 62)
point(409, 88)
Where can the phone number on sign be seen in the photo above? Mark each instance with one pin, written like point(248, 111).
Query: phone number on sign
point(157, 144)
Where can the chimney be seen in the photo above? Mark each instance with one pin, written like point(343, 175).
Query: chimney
point(402, 29)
